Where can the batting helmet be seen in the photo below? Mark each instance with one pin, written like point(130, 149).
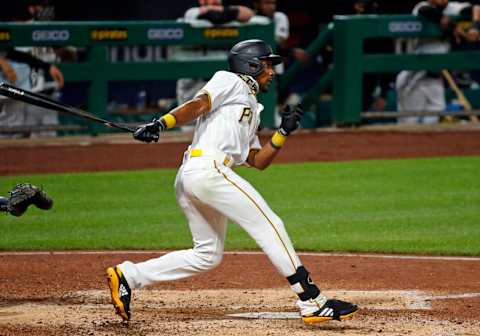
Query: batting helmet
point(246, 57)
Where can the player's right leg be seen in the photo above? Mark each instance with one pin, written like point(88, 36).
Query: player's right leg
point(208, 228)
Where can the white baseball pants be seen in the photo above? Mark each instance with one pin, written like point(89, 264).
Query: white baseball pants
point(210, 192)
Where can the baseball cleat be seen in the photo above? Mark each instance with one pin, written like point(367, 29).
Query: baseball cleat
point(331, 310)
point(120, 292)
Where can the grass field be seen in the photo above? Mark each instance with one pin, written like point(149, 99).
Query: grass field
point(426, 206)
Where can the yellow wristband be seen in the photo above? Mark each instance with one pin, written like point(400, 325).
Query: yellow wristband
point(169, 120)
point(278, 139)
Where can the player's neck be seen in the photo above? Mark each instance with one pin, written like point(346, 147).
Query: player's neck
point(251, 82)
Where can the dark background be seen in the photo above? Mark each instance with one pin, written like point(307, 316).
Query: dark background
point(317, 11)
point(306, 16)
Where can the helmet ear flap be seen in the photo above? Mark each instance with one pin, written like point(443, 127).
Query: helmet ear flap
point(255, 68)
point(245, 64)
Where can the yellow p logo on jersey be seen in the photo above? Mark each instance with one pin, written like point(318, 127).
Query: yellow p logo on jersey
point(247, 113)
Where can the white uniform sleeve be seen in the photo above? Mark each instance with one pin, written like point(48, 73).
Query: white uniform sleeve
point(219, 88)
point(455, 7)
point(192, 14)
point(418, 6)
point(282, 29)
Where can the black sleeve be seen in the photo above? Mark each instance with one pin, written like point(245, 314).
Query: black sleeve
point(228, 14)
point(430, 13)
point(23, 57)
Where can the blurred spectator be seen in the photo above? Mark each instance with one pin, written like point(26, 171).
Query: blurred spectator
point(15, 68)
point(268, 9)
point(468, 31)
point(423, 91)
point(31, 68)
point(375, 85)
point(42, 81)
point(214, 12)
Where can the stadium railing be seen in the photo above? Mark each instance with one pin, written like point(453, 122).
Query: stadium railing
point(98, 71)
point(347, 33)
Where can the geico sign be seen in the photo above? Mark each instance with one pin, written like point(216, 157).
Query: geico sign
point(50, 35)
point(405, 26)
point(165, 33)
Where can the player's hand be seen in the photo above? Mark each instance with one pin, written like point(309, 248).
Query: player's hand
point(291, 117)
point(148, 132)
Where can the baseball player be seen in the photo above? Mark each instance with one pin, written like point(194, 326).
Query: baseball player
point(208, 190)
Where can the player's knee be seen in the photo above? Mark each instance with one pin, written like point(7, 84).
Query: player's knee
point(208, 258)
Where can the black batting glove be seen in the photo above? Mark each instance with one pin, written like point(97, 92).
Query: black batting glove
point(149, 132)
point(291, 117)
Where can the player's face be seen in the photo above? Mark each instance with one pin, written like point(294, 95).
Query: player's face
point(266, 77)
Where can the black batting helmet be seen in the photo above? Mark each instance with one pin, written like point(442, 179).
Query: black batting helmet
point(245, 57)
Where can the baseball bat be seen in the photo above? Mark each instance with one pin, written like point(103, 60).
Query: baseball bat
point(460, 96)
point(45, 102)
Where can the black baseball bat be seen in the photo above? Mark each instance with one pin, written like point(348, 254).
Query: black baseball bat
point(48, 103)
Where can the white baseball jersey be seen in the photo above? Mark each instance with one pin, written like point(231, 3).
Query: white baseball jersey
point(231, 125)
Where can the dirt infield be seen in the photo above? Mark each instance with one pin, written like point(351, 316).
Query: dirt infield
point(66, 293)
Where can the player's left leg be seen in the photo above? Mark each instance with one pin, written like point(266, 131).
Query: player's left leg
point(237, 199)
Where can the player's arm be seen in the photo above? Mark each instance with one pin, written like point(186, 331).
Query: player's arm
point(262, 158)
point(191, 109)
point(180, 115)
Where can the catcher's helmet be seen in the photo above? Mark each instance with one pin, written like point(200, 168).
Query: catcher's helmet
point(245, 57)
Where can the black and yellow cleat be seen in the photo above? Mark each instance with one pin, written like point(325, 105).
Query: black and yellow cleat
point(120, 292)
point(332, 310)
